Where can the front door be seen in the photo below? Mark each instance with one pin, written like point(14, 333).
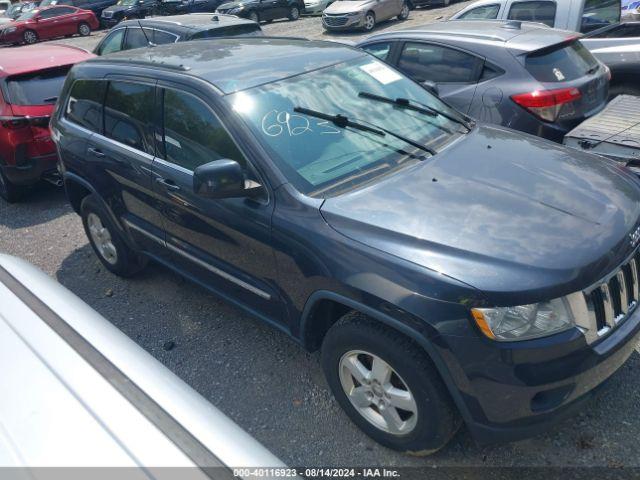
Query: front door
point(224, 244)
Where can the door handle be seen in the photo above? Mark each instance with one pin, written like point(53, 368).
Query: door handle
point(168, 184)
point(96, 152)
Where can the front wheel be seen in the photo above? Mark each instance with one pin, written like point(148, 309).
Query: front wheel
point(84, 29)
point(388, 386)
point(254, 16)
point(369, 22)
point(30, 37)
point(294, 13)
point(404, 12)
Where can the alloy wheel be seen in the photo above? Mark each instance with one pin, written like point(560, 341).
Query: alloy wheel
point(377, 392)
point(101, 238)
point(30, 37)
point(404, 13)
point(84, 29)
point(295, 13)
point(369, 22)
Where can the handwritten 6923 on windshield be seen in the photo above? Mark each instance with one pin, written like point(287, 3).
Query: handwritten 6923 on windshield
point(276, 123)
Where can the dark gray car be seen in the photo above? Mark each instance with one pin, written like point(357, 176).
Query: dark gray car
point(521, 75)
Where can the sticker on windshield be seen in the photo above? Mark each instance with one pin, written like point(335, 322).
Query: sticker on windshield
point(381, 72)
point(559, 75)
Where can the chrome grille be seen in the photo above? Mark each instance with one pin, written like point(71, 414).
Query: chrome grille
point(609, 302)
point(335, 21)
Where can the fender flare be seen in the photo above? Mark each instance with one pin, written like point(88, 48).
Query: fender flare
point(397, 325)
point(72, 177)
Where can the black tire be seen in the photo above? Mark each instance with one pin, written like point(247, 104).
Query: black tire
point(369, 22)
point(254, 16)
point(128, 261)
point(8, 191)
point(84, 30)
point(294, 13)
point(437, 418)
point(404, 13)
point(30, 37)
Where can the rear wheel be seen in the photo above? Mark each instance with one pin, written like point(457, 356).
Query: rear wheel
point(294, 13)
point(404, 12)
point(106, 241)
point(84, 29)
point(369, 21)
point(10, 192)
point(388, 386)
point(30, 37)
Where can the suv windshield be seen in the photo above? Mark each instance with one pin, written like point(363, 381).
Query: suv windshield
point(322, 158)
point(561, 64)
point(40, 88)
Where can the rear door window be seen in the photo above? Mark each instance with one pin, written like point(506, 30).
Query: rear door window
point(486, 12)
point(40, 88)
point(380, 50)
point(424, 61)
point(560, 64)
point(135, 38)
point(599, 13)
point(129, 115)
point(84, 107)
point(537, 11)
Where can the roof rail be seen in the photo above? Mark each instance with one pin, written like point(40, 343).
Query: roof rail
point(143, 63)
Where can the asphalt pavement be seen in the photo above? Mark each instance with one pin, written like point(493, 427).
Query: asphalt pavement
point(261, 378)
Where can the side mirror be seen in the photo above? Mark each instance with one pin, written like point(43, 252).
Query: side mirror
point(431, 87)
point(222, 179)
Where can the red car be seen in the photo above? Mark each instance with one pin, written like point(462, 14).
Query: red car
point(31, 79)
point(51, 22)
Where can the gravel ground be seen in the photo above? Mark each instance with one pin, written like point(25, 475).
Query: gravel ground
point(261, 378)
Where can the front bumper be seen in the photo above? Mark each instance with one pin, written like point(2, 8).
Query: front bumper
point(342, 22)
point(509, 391)
point(31, 170)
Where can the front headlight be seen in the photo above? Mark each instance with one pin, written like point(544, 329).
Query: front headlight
point(353, 14)
point(524, 322)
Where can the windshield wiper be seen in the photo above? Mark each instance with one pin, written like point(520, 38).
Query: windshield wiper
point(415, 106)
point(344, 122)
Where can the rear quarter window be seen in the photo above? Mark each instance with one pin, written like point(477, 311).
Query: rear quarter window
point(40, 88)
point(560, 64)
point(84, 106)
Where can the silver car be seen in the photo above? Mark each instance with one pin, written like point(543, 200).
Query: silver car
point(362, 14)
point(315, 7)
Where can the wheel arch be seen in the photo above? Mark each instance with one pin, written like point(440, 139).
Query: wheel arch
point(313, 329)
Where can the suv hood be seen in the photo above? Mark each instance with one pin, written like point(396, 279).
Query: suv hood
point(507, 213)
point(346, 6)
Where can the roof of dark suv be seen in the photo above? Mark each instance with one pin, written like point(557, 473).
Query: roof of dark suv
point(189, 24)
point(522, 36)
point(233, 64)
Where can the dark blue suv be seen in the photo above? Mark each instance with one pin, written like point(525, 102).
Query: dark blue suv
point(449, 271)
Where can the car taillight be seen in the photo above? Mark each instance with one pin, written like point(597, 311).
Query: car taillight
point(15, 123)
point(547, 104)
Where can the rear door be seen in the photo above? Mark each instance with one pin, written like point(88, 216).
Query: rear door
point(455, 72)
point(122, 157)
point(224, 244)
point(67, 21)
